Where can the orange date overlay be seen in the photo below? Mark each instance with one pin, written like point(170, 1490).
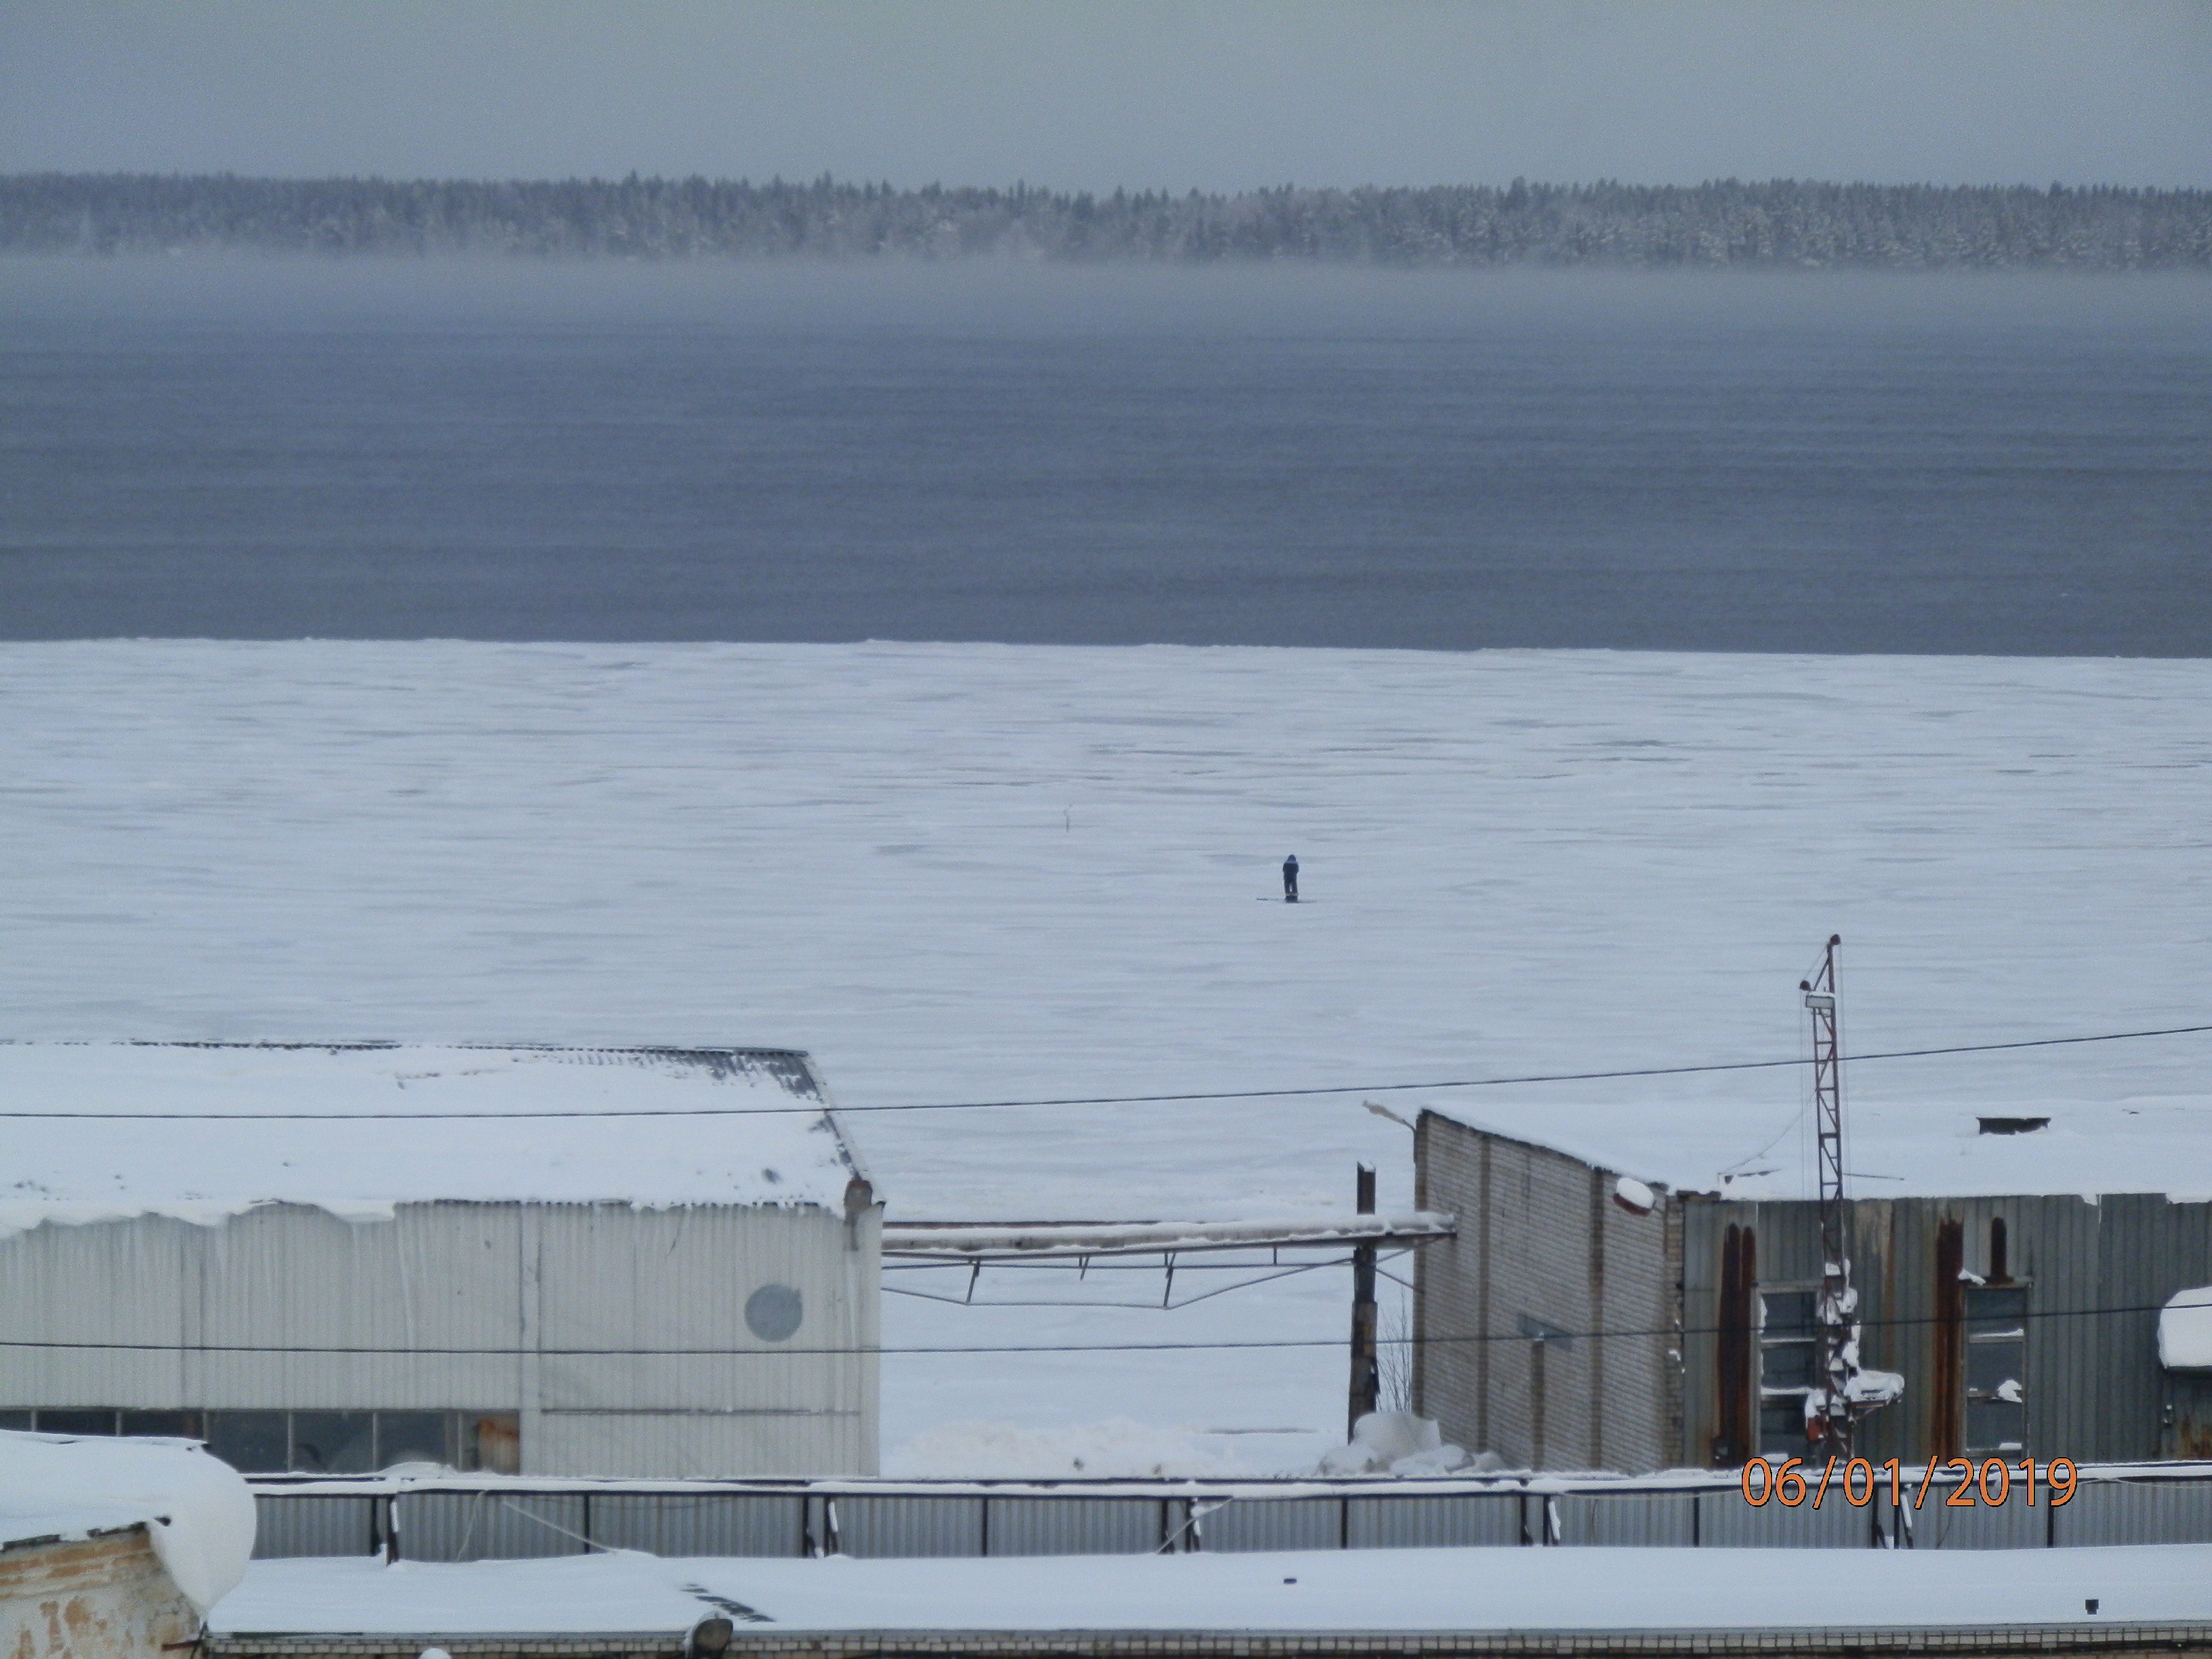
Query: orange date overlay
point(1993, 1483)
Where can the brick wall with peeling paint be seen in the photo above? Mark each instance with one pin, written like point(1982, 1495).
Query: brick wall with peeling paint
point(105, 1597)
point(1504, 1312)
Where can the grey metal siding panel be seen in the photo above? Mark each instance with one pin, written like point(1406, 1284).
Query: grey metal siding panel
point(1940, 1526)
point(1435, 1523)
point(1074, 1526)
point(1291, 1523)
point(711, 1523)
point(909, 1526)
point(1726, 1521)
point(1667, 1519)
point(2137, 1512)
point(313, 1526)
point(490, 1526)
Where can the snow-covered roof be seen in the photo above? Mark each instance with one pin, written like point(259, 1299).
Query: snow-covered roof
point(242, 1124)
point(1892, 1150)
point(1502, 1589)
point(197, 1513)
point(2184, 1331)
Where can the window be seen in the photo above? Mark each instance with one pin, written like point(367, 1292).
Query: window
point(253, 1443)
point(308, 1442)
point(1996, 1331)
point(1788, 1366)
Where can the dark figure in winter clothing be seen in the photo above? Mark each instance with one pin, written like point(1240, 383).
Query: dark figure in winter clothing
point(1291, 880)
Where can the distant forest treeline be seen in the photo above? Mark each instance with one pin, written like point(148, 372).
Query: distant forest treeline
point(1781, 223)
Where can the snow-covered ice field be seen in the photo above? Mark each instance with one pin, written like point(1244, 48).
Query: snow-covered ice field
point(977, 872)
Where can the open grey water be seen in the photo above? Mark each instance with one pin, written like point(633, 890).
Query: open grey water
point(1811, 462)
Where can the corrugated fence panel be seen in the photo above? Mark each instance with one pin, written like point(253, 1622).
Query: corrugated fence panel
point(289, 1527)
point(714, 1523)
point(2010, 1526)
point(1074, 1526)
point(489, 1526)
point(1397, 1524)
point(2137, 1512)
point(1726, 1521)
point(1276, 1523)
point(909, 1526)
point(1667, 1519)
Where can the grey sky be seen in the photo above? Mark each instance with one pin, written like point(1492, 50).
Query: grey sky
point(1092, 94)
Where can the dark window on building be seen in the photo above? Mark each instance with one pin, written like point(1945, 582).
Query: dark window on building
point(79, 1420)
point(308, 1443)
point(1995, 1334)
point(334, 1443)
point(415, 1437)
point(1788, 1366)
point(175, 1425)
point(253, 1443)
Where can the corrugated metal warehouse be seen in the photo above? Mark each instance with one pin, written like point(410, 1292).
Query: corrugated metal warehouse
point(640, 1261)
point(2014, 1271)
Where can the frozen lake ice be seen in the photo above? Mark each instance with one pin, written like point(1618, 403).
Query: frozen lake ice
point(968, 873)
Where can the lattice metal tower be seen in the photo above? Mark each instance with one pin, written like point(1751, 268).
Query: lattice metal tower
point(1839, 1305)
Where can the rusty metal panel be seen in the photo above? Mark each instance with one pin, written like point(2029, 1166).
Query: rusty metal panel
point(1072, 1526)
point(722, 1523)
point(1462, 1519)
point(313, 1525)
point(1272, 1523)
point(909, 1526)
point(1664, 1519)
point(490, 1525)
point(2137, 1512)
point(2188, 1414)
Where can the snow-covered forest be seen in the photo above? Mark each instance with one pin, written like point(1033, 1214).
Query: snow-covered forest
point(1784, 223)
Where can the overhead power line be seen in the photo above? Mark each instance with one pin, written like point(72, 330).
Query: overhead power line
point(1185, 1097)
point(1670, 1331)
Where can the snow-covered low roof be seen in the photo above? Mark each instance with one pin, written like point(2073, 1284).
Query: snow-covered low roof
point(1893, 1149)
point(197, 1513)
point(923, 1603)
point(235, 1125)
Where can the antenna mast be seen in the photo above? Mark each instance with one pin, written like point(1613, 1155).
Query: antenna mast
point(1828, 1415)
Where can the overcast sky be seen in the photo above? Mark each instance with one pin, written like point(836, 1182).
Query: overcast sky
point(1092, 94)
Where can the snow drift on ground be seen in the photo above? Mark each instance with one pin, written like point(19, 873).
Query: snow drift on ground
point(974, 873)
point(1467, 1589)
point(197, 1512)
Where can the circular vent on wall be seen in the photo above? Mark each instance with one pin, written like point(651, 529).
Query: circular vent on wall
point(773, 1312)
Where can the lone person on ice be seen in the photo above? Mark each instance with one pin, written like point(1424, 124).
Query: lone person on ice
point(1291, 880)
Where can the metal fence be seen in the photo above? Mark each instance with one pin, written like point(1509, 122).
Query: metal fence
point(486, 1518)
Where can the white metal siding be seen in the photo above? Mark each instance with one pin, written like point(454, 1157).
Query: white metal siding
point(502, 1277)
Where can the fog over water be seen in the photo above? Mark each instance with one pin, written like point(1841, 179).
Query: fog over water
point(990, 451)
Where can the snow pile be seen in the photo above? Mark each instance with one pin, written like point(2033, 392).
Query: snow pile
point(1398, 1442)
point(1002, 1451)
point(2184, 1331)
point(198, 1511)
point(1633, 1196)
